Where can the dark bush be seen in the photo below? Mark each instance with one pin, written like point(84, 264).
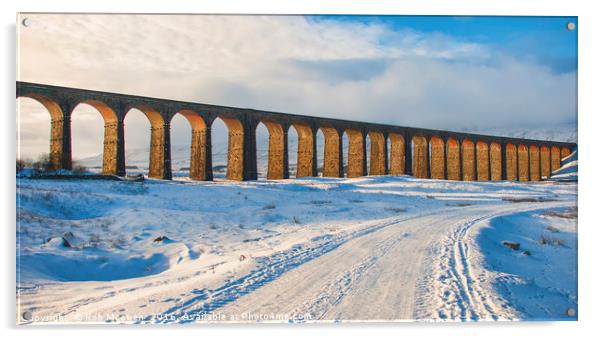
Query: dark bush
point(21, 164)
point(79, 169)
point(43, 163)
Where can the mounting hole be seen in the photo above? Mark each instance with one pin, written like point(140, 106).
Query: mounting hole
point(571, 312)
point(27, 315)
point(26, 22)
point(570, 26)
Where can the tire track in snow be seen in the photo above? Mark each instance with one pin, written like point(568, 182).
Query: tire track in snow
point(460, 295)
point(268, 269)
point(453, 292)
point(341, 286)
point(332, 293)
point(466, 291)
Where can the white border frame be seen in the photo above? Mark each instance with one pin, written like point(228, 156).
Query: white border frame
point(590, 235)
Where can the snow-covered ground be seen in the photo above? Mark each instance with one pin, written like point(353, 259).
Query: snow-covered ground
point(569, 168)
point(371, 248)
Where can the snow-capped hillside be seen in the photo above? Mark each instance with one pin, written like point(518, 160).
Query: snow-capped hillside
point(180, 158)
point(138, 157)
point(180, 154)
point(560, 133)
point(568, 170)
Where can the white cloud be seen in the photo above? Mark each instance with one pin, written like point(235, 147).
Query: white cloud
point(291, 64)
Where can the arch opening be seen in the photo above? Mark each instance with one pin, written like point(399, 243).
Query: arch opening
point(105, 111)
point(34, 130)
point(189, 145)
point(52, 107)
point(344, 153)
point(219, 148)
point(156, 149)
point(545, 161)
point(180, 135)
point(94, 137)
point(523, 163)
point(137, 133)
point(262, 144)
point(387, 155)
point(320, 148)
point(292, 146)
point(59, 155)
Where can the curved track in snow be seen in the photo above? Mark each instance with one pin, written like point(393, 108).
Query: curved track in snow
point(419, 268)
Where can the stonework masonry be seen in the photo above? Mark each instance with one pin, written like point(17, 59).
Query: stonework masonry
point(356, 156)
point(397, 158)
point(333, 156)
point(277, 169)
point(511, 162)
point(545, 161)
point(565, 151)
point(437, 158)
point(453, 160)
point(482, 161)
point(555, 157)
point(305, 152)
point(420, 157)
point(468, 160)
point(378, 148)
point(534, 165)
point(495, 161)
point(394, 150)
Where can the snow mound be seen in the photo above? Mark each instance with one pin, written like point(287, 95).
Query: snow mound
point(538, 279)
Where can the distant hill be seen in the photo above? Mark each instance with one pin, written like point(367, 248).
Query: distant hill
point(569, 169)
point(180, 157)
point(180, 154)
point(561, 133)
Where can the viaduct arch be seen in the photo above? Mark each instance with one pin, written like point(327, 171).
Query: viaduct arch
point(423, 153)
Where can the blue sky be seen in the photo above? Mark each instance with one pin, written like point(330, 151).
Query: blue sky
point(543, 39)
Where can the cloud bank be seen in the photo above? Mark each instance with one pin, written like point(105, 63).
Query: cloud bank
point(341, 69)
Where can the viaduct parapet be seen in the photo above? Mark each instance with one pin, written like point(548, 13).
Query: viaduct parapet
point(423, 153)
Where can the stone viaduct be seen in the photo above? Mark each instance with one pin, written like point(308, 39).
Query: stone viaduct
point(423, 153)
